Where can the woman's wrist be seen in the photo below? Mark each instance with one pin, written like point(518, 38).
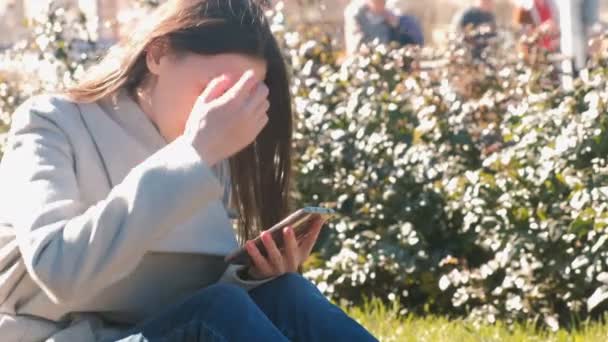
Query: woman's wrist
point(206, 154)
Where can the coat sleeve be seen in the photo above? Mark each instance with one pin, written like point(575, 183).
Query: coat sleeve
point(231, 275)
point(71, 250)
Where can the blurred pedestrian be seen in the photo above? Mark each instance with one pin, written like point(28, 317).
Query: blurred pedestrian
point(366, 21)
point(539, 17)
point(478, 23)
point(473, 17)
point(409, 31)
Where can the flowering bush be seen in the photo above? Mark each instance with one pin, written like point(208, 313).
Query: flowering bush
point(474, 188)
point(55, 53)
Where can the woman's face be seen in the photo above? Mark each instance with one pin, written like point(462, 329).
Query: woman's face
point(179, 80)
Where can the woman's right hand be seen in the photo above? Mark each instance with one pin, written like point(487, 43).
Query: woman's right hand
point(225, 119)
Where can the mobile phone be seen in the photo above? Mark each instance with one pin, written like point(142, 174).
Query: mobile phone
point(300, 221)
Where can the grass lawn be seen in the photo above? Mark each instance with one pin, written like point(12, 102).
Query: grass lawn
point(386, 324)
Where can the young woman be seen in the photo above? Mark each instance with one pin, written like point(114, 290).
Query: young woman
point(115, 195)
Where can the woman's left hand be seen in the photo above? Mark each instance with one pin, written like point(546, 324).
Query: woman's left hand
point(279, 262)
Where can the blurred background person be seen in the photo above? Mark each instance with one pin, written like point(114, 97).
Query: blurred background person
point(366, 21)
point(539, 17)
point(591, 10)
point(409, 31)
point(480, 13)
point(478, 22)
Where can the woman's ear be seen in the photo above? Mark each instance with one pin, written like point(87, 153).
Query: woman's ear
point(154, 53)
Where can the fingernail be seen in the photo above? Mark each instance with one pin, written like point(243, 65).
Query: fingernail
point(286, 230)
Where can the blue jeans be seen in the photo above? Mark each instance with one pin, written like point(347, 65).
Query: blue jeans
point(289, 308)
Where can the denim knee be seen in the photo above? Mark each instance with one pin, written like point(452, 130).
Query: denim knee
point(222, 297)
point(223, 290)
point(290, 281)
point(296, 293)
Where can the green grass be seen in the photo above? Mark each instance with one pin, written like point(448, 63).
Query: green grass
point(386, 324)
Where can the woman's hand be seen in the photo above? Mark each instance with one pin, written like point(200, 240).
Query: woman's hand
point(227, 109)
point(277, 263)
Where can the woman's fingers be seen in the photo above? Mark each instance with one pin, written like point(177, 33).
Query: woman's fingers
point(261, 120)
point(242, 89)
point(277, 262)
point(258, 99)
point(259, 262)
point(274, 255)
point(311, 237)
point(216, 88)
point(262, 109)
point(291, 250)
point(258, 112)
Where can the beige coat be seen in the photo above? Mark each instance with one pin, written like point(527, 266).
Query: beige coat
point(102, 221)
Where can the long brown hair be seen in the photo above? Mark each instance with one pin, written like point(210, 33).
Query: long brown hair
point(261, 172)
